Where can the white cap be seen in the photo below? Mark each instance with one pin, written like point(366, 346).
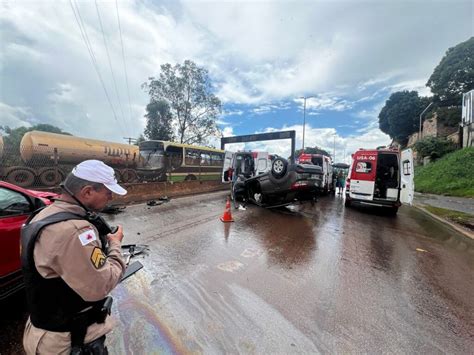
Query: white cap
point(97, 171)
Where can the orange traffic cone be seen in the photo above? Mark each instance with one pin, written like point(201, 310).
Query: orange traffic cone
point(227, 216)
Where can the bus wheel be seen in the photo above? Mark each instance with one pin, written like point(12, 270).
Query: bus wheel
point(190, 178)
point(129, 175)
point(22, 177)
point(51, 177)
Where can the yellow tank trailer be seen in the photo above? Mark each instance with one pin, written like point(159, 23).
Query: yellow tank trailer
point(48, 157)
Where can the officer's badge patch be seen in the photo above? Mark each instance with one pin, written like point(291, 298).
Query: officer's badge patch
point(87, 237)
point(98, 258)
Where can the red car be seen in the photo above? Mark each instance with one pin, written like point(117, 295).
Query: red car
point(16, 205)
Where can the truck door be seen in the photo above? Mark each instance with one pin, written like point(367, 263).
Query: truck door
point(226, 168)
point(406, 177)
point(262, 163)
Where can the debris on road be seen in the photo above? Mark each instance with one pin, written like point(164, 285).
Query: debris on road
point(113, 209)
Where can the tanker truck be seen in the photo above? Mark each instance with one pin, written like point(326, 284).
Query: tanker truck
point(45, 158)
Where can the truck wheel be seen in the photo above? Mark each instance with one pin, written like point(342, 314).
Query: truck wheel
point(51, 177)
point(22, 177)
point(128, 175)
point(279, 167)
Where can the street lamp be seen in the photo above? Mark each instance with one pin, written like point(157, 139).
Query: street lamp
point(304, 114)
point(421, 114)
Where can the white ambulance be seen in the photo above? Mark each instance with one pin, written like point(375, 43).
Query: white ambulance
point(380, 177)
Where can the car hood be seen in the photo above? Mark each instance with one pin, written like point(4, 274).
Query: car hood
point(43, 194)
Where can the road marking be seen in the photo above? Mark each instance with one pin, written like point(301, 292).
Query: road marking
point(251, 252)
point(230, 266)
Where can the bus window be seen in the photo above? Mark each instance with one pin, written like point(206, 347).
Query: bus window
point(175, 156)
point(205, 159)
point(192, 157)
point(217, 159)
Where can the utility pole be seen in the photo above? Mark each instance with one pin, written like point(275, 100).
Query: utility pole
point(304, 115)
point(130, 139)
point(334, 149)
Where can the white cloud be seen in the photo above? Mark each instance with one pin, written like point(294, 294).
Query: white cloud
point(326, 102)
point(326, 138)
point(15, 116)
point(233, 113)
point(257, 53)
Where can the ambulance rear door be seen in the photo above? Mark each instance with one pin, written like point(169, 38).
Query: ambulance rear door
point(362, 175)
point(407, 188)
point(262, 163)
point(226, 168)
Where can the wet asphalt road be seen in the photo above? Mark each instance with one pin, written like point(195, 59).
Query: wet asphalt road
point(309, 279)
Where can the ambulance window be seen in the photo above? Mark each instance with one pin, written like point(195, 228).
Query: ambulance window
point(406, 167)
point(262, 164)
point(363, 167)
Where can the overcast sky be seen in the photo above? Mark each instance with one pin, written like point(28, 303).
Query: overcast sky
point(261, 56)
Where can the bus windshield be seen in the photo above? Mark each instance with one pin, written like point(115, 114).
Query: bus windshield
point(152, 154)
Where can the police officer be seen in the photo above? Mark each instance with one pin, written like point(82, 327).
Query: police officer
point(68, 267)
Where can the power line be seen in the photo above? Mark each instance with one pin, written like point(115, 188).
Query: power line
point(85, 38)
point(110, 64)
point(124, 63)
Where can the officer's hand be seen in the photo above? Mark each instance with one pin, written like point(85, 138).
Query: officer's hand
point(117, 236)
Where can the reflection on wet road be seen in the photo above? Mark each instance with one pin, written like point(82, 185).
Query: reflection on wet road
point(300, 280)
point(306, 279)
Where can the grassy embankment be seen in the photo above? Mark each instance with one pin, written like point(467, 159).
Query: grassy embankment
point(464, 219)
point(451, 175)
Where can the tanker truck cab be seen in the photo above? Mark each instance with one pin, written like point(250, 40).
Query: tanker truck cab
point(380, 177)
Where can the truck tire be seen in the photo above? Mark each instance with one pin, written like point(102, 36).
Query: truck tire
point(51, 177)
point(128, 175)
point(23, 177)
point(279, 167)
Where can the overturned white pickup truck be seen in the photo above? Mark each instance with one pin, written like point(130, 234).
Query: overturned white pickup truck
point(270, 180)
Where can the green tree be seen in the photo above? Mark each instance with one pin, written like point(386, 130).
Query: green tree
point(140, 139)
point(188, 91)
point(400, 116)
point(14, 135)
point(454, 75)
point(159, 121)
point(434, 147)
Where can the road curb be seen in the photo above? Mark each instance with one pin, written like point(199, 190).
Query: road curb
point(458, 229)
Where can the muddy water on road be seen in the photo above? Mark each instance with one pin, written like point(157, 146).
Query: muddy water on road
point(305, 279)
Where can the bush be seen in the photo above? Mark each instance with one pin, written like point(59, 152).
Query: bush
point(434, 147)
